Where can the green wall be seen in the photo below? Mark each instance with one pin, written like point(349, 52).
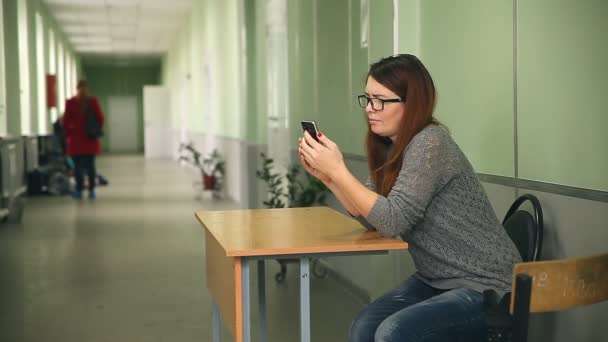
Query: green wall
point(331, 73)
point(540, 67)
point(251, 111)
point(468, 48)
point(548, 78)
point(11, 36)
point(562, 73)
point(303, 98)
point(355, 123)
point(112, 80)
point(206, 51)
point(32, 6)
point(259, 131)
point(328, 65)
point(325, 76)
point(380, 29)
point(11, 56)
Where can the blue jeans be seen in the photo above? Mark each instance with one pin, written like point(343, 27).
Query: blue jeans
point(85, 163)
point(419, 312)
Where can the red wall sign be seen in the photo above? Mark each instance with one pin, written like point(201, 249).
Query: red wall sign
point(51, 91)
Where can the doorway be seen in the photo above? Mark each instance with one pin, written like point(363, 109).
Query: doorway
point(122, 124)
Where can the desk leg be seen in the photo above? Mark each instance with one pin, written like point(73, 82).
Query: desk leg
point(246, 300)
point(217, 325)
point(305, 299)
point(262, 299)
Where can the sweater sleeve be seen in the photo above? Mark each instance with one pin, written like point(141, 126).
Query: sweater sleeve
point(429, 164)
point(370, 185)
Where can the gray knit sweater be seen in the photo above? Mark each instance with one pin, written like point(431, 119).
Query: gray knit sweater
point(439, 207)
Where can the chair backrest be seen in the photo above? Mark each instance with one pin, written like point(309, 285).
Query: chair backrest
point(564, 284)
point(556, 285)
point(525, 229)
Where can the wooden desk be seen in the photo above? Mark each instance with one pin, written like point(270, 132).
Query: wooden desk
point(235, 238)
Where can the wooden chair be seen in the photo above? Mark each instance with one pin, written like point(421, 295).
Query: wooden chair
point(548, 286)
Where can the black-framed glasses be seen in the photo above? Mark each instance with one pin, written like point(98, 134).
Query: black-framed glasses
point(377, 104)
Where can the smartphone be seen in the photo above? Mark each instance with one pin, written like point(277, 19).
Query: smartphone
point(311, 128)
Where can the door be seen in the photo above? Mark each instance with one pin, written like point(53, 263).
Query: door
point(122, 124)
point(156, 110)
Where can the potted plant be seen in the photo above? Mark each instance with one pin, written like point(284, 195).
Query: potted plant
point(212, 166)
point(301, 192)
point(292, 190)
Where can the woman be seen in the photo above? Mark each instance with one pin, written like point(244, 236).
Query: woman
point(423, 190)
point(80, 146)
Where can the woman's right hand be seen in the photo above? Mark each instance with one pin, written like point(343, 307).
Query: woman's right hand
point(320, 176)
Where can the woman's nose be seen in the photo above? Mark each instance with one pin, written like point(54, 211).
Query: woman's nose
point(369, 108)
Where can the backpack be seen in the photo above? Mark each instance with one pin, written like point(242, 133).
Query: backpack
point(93, 127)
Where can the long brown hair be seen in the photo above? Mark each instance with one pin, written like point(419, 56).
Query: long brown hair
point(408, 78)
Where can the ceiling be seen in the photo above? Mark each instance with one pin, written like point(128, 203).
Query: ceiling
point(120, 28)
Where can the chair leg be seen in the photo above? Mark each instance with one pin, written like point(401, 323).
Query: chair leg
point(521, 314)
point(497, 320)
point(280, 276)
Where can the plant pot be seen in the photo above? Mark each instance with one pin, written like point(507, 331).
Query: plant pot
point(209, 182)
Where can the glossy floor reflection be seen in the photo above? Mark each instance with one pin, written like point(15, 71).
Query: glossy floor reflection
point(130, 267)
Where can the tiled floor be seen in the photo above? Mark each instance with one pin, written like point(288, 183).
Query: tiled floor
point(129, 267)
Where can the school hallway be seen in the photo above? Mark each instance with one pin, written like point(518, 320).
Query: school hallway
point(130, 267)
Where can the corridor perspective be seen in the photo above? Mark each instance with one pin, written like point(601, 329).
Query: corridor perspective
point(130, 267)
point(157, 184)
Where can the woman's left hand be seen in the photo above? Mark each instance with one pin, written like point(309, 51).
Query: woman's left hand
point(324, 156)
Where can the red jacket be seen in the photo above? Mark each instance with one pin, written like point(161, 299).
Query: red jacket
point(75, 124)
